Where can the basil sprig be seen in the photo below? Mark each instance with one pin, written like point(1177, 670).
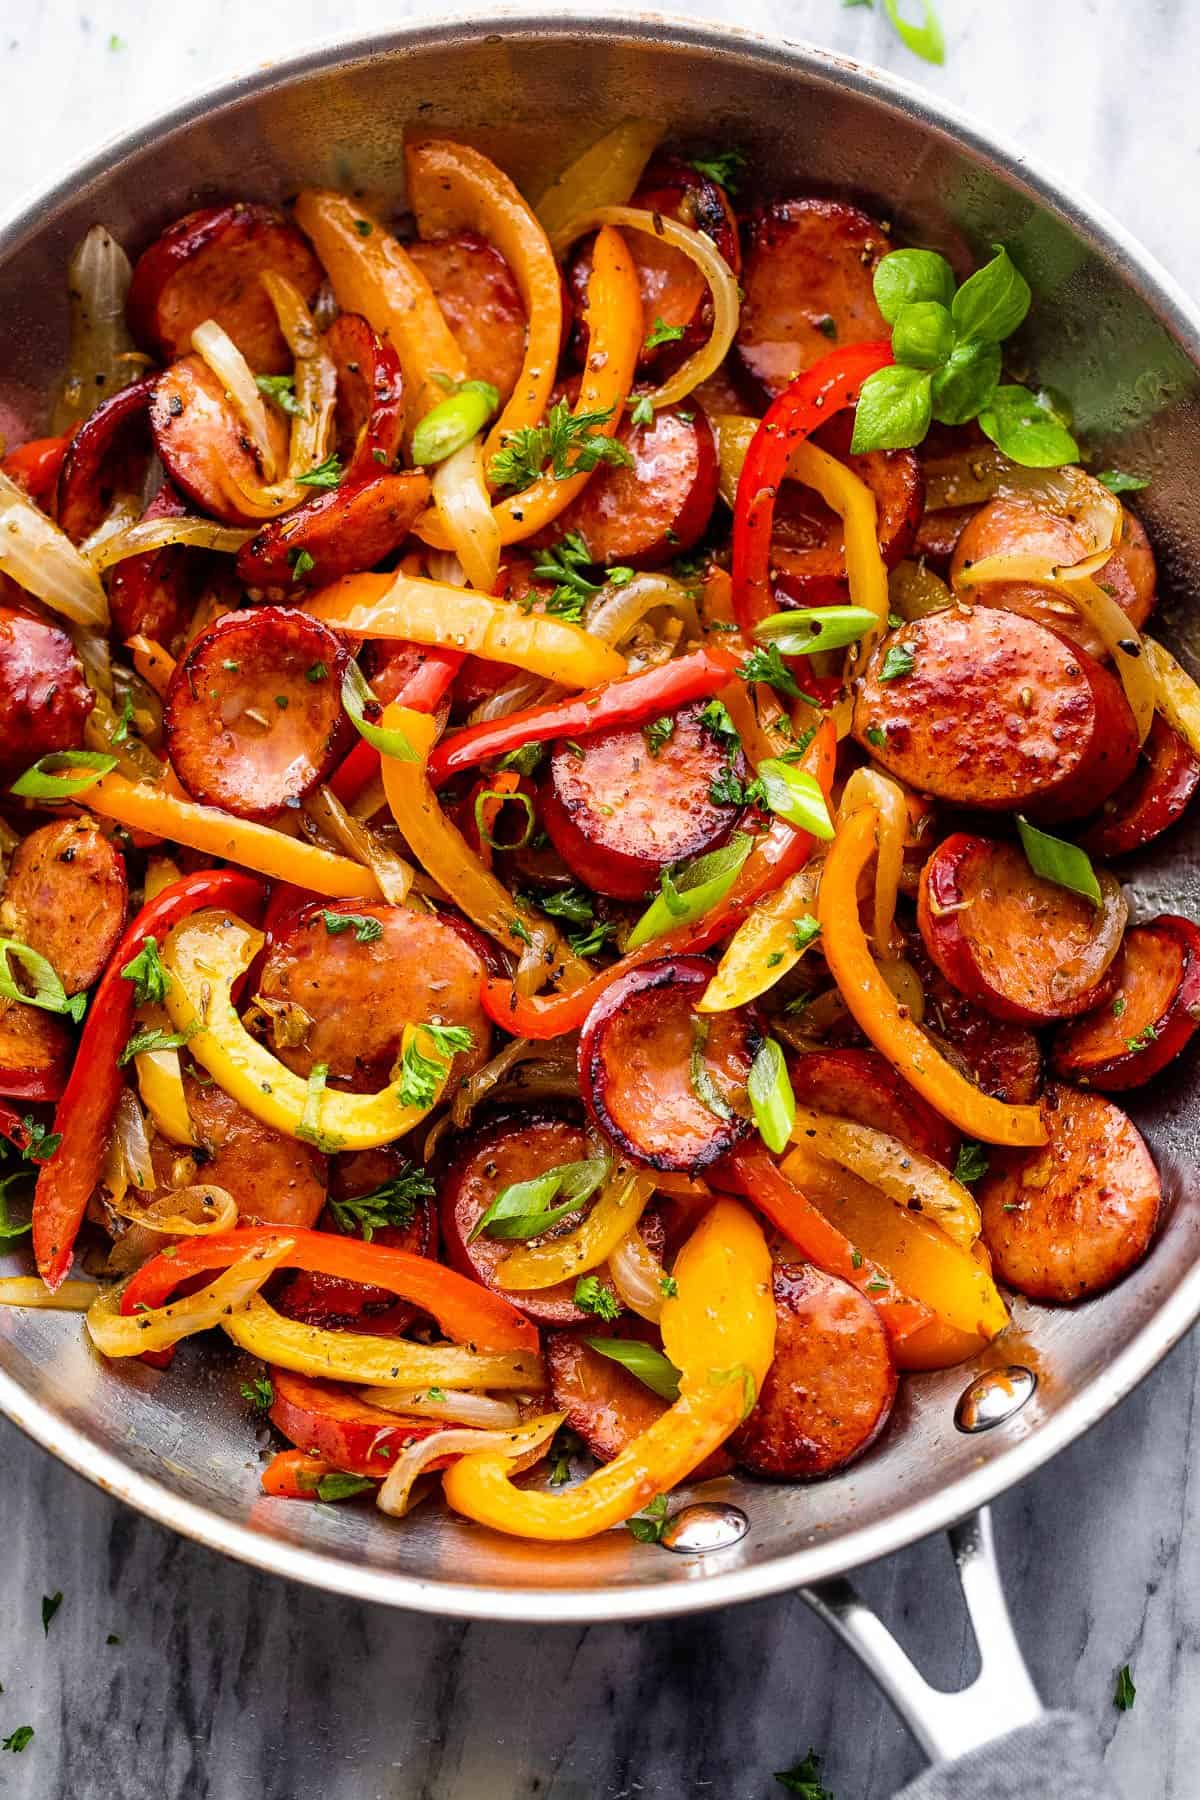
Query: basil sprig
point(526, 1209)
point(946, 341)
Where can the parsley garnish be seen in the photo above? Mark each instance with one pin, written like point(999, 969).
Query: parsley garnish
point(642, 410)
point(520, 931)
point(575, 906)
point(971, 1163)
point(592, 1296)
point(259, 1393)
point(663, 334)
point(724, 168)
point(562, 566)
point(1143, 1040)
point(50, 1605)
point(715, 719)
point(420, 1076)
point(805, 1779)
point(318, 672)
point(366, 930)
point(145, 970)
point(658, 733)
point(669, 1287)
point(727, 789)
point(121, 731)
point(805, 931)
point(1125, 1693)
point(1118, 1005)
point(302, 564)
point(876, 738)
point(281, 389)
point(765, 663)
point(393, 1203)
point(143, 1041)
point(525, 760)
point(566, 1444)
point(22, 1737)
point(327, 474)
point(571, 443)
point(900, 660)
point(40, 1142)
point(649, 1525)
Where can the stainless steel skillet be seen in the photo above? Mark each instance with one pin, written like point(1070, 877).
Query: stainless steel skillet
point(1112, 332)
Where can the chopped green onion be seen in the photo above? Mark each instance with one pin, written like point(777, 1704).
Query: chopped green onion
point(48, 991)
point(796, 796)
point(43, 782)
point(1066, 865)
point(356, 698)
point(703, 1086)
point(516, 799)
point(454, 421)
point(694, 891)
point(526, 1208)
point(309, 1127)
point(771, 1096)
point(805, 631)
point(649, 1365)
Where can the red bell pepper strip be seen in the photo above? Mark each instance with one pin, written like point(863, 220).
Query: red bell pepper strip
point(34, 466)
point(778, 853)
point(423, 690)
point(627, 701)
point(752, 1172)
point(31, 1084)
point(85, 1112)
point(813, 398)
point(467, 1312)
point(12, 1126)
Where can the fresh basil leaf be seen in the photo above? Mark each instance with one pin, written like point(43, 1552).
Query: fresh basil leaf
point(649, 1365)
point(1066, 865)
point(771, 1096)
point(894, 410)
point(904, 277)
point(1117, 482)
point(525, 1209)
point(965, 382)
point(1027, 431)
point(923, 335)
point(993, 301)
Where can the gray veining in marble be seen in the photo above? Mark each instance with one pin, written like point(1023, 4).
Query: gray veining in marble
point(227, 1685)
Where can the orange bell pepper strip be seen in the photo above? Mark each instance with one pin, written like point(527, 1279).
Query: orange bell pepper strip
point(454, 187)
point(154, 664)
point(295, 1475)
point(466, 1311)
point(614, 313)
point(719, 1330)
point(423, 691)
point(34, 466)
point(778, 853)
point(879, 1014)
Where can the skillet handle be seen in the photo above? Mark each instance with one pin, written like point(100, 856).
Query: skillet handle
point(993, 1740)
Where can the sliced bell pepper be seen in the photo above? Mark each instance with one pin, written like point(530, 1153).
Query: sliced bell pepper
point(628, 701)
point(160, 1082)
point(764, 947)
point(719, 1330)
point(295, 1475)
point(780, 852)
point(31, 1084)
point(814, 397)
point(205, 955)
point(879, 1014)
point(466, 1311)
point(373, 1361)
point(606, 174)
point(423, 691)
point(85, 1112)
point(34, 466)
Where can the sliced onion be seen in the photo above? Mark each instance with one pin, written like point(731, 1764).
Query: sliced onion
point(970, 477)
point(522, 690)
point(464, 505)
point(125, 511)
point(30, 1290)
point(483, 1411)
point(1175, 693)
point(1107, 619)
point(198, 1211)
point(868, 787)
point(914, 591)
point(43, 560)
point(101, 359)
point(156, 534)
point(127, 1160)
point(902, 1174)
point(614, 611)
point(214, 344)
point(117, 1334)
point(350, 835)
point(637, 1276)
point(393, 1496)
point(712, 265)
point(101, 729)
point(905, 983)
point(555, 1059)
point(315, 376)
point(443, 565)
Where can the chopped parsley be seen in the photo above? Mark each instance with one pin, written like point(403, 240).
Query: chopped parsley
point(50, 1605)
point(1118, 1005)
point(520, 931)
point(524, 760)
point(40, 1141)
point(649, 1525)
point(805, 931)
point(1124, 1693)
point(668, 1287)
point(366, 930)
point(716, 720)
point(971, 1163)
point(663, 334)
point(563, 566)
point(145, 970)
point(327, 474)
point(805, 1779)
point(765, 663)
point(22, 1737)
point(876, 738)
point(642, 410)
point(259, 1393)
point(143, 1042)
point(420, 1078)
point(900, 660)
point(573, 905)
point(569, 443)
point(281, 389)
point(1143, 1040)
point(392, 1203)
point(724, 168)
point(302, 564)
point(658, 733)
point(121, 730)
point(592, 1296)
point(318, 672)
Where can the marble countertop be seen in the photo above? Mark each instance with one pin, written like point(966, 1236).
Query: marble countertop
point(226, 1684)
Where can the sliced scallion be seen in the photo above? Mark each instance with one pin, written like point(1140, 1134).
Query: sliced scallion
point(771, 1096)
point(356, 698)
point(44, 781)
point(803, 632)
point(693, 891)
point(794, 795)
point(650, 1366)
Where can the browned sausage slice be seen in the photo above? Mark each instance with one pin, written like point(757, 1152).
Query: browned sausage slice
point(370, 397)
point(65, 897)
point(862, 1085)
point(253, 714)
point(154, 595)
point(606, 1405)
point(44, 699)
point(1023, 947)
point(352, 527)
point(808, 558)
point(1003, 1059)
point(619, 816)
point(986, 708)
point(481, 302)
point(808, 282)
point(938, 534)
point(1069, 1220)
point(1021, 527)
point(647, 514)
point(665, 1084)
point(1150, 1018)
point(209, 265)
point(354, 989)
point(275, 1179)
point(829, 1391)
point(202, 443)
point(106, 457)
point(1155, 796)
point(36, 1044)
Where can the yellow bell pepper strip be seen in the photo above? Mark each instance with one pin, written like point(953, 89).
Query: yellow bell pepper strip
point(160, 1079)
point(878, 1013)
point(432, 612)
point(204, 955)
point(615, 1213)
point(157, 1328)
point(955, 1282)
point(908, 1179)
point(144, 807)
point(719, 1331)
point(374, 275)
point(614, 314)
point(1176, 695)
point(607, 174)
point(444, 853)
point(454, 187)
point(765, 945)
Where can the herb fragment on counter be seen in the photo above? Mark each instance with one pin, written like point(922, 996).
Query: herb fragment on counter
point(1125, 1693)
point(50, 1605)
point(724, 168)
point(805, 1779)
point(259, 1393)
point(18, 1740)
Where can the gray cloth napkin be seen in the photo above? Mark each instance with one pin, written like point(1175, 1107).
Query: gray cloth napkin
point(1056, 1759)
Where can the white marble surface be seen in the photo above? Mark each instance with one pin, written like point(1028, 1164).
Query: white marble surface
point(228, 1685)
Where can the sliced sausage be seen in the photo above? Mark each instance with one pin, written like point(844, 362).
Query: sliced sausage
point(1070, 1219)
point(862, 1085)
point(253, 713)
point(44, 698)
point(65, 897)
point(209, 265)
point(512, 1147)
point(829, 1391)
point(1021, 527)
point(202, 443)
point(350, 528)
point(35, 1050)
point(664, 1083)
point(370, 397)
point(658, 508)
point(808, 283)
point(154, 595)
point(275, 1179)
point(996, 712)
point(808, 558)
point(480, 301)
point(606, 1405)
point(1150, 1018)
point(334, 1422)
point(938, 534)
point(106, 457)
point(357, 990)
point(618, 816)
point(1002, 1058)
point(1154, 797)
point(1022, 947)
